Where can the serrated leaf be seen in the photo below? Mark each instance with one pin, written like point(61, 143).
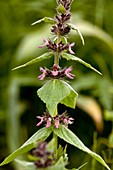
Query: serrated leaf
point(45, 19)
point(41, 134)
point(68, 136)
point(54, 92)
point(77, 30)
point(72, 57)
point(35, 60)
point(61, 9)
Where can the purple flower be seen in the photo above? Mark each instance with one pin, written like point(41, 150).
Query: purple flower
point(68, 73)
point(48, 122)
point(46, 43)
point(46, 118)
point(70, 46)
point(57, 123)
point(41, 120)
point(43, 75)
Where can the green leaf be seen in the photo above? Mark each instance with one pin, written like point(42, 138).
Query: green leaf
point(40, 135)
point(59, 165)
point(57, 91)
point(61, 9)
point(45, 19)
point(26, 165)
point(35, 60)
point(77, 30)
point(68, 136)
point(72, 57)
point(70, 100)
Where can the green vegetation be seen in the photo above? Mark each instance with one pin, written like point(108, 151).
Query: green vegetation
point(19, 44)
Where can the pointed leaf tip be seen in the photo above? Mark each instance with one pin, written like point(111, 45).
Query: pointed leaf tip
point(45, 19)
point(68, 136)
point(41, 134)
point(35, 60)
point(72, 57)
point(78, 31)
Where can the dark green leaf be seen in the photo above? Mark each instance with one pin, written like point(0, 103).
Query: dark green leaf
point(68, 136)
point(77, 30)
point(40, 135)
point(35, 60)
point(61, 9)
point(45, 19)
point(72, 57)
point(56, 91)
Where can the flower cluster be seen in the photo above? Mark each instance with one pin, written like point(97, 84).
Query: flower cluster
point(44, 157)
point(57, 48)
point(62, 119)
point(56, 72)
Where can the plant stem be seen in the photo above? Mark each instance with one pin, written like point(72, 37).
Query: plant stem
point(57, 54)
point(55, 137)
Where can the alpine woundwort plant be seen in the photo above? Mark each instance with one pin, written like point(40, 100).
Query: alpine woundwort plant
point(56, 90)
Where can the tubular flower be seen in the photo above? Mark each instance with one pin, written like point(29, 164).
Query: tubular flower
point(46, 118)
point(56, 72)
point(68, 73)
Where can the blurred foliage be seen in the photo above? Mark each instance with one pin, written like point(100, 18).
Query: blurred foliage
point(19, 104)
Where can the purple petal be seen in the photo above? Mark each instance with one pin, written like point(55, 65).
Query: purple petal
point(41, 77)
point(46, 43)
point(57, 123)
point(41, 120)
point(68, 74)
point(48, 124)
point(54, 73)
point(70, 50)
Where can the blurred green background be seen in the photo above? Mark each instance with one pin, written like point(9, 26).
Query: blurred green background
point(19, 103)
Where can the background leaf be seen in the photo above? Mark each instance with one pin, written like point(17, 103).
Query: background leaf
point(54, 92)
point(67, 135)
point(41, 134)
point(72, 57)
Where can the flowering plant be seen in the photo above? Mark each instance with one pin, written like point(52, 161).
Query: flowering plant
point(56, 90)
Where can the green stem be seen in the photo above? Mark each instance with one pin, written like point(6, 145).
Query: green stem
point(57, 54)
point(55, 137)
point(56, 59)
